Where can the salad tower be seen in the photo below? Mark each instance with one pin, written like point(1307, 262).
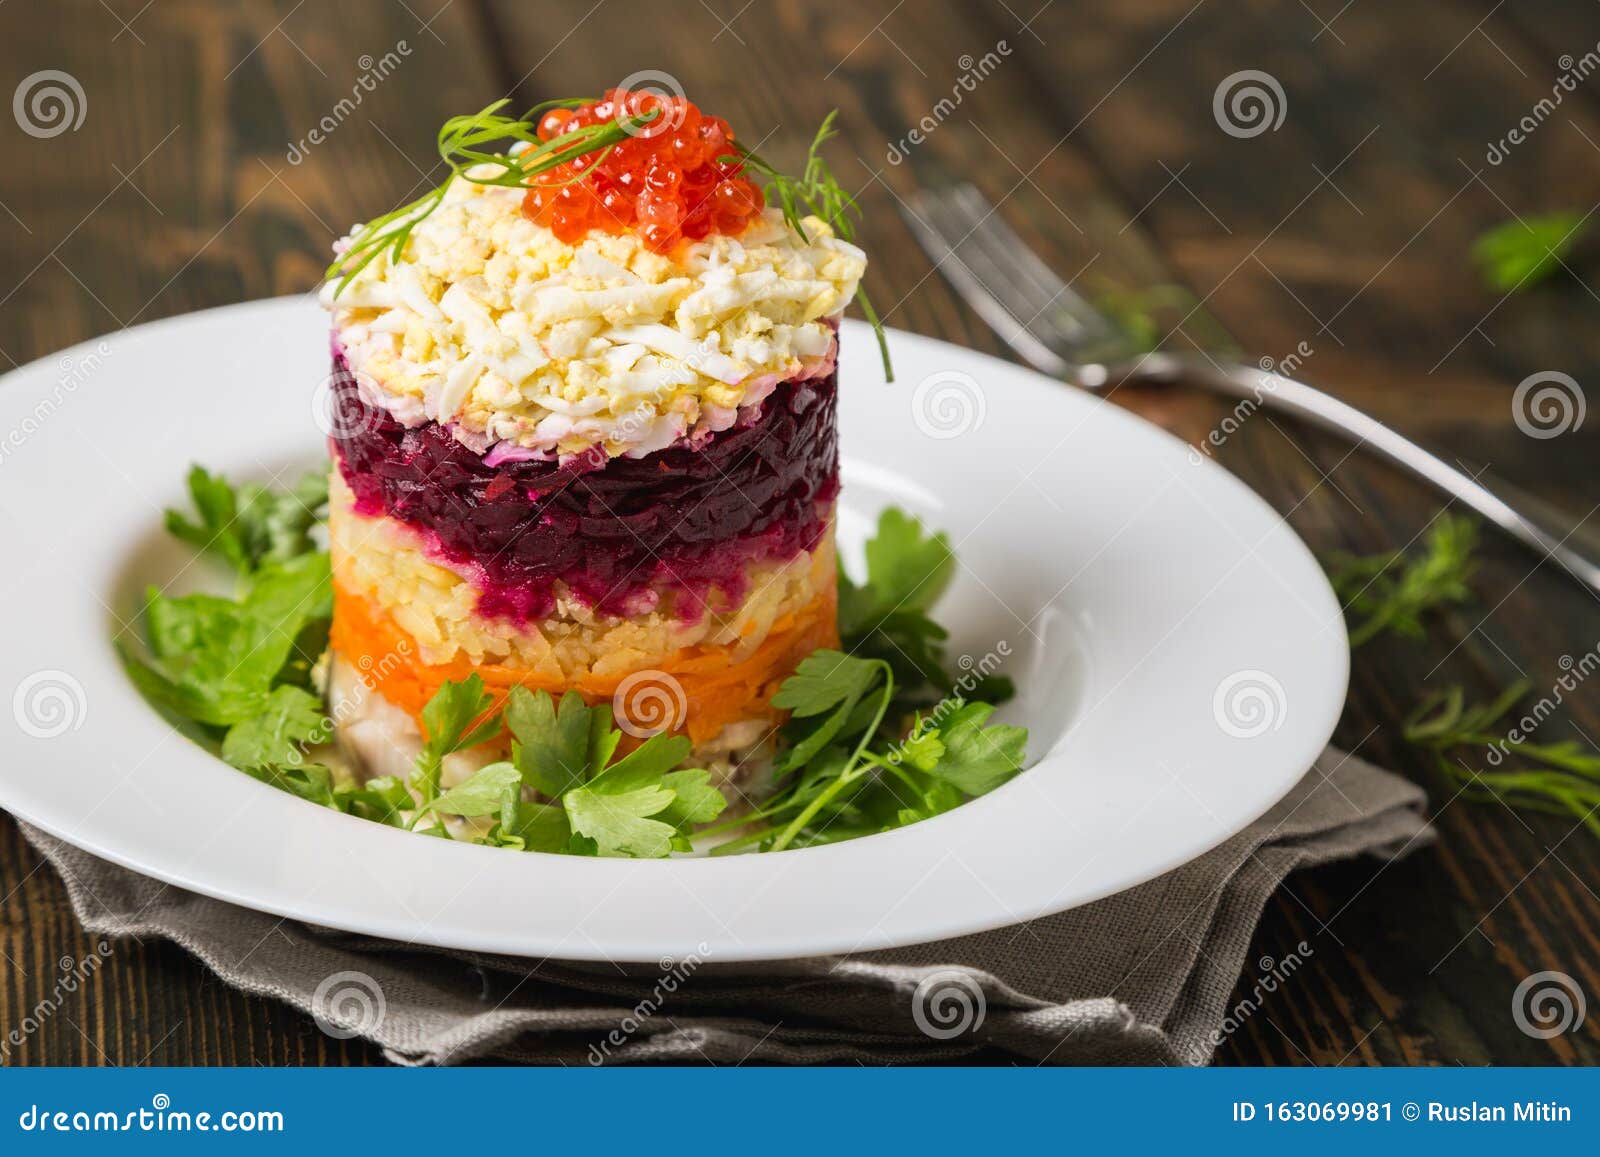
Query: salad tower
point(583, 429)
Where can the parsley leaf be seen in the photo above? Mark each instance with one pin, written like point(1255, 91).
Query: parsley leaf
point(823, 680)
point(483, 793)
point(613, 809)
point(907, 566)
point(842, 771)
point(887, 616)
point(923, 748)
point(250, 525)
point(290, 717)
point(636, 806)
point(310, 781)
point(648, 762)
point(906, 571)
point(555, 743)
point(843, 776)
point(533, 827)
point(975, 758)
point(1521, 253)
point(217, 659)
point(382, 799)
point(448, 725)
point(696, 800)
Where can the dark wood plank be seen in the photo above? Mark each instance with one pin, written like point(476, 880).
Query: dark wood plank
point(1548, 38)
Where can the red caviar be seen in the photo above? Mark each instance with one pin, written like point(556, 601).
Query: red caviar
point(669, 181)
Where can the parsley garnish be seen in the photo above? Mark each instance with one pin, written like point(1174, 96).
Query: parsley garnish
point(557, 744)
point(455, 719)
point(482, 793)
point(290, 717)
point(217, 662)
point(636, 805)
point(235, 673)
point(249, 525)
point(877, 738)
point(845, 774)
point(887, 616)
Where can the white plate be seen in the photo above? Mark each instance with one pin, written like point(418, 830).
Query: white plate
point(1180, 657)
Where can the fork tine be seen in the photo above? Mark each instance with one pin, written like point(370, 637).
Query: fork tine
point(956, 227)
point(939, 232)
point(1009, 253)
point(1062, 316)
point(1003, 265)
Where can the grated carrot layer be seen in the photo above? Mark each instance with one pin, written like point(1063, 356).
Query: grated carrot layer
point(717, 689)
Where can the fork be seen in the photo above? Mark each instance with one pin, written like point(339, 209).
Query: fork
point(1060, 334)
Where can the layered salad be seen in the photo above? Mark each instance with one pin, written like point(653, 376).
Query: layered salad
point(569, 586)
point(584, 434)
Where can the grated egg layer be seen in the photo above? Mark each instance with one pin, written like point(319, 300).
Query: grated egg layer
point(490, 324)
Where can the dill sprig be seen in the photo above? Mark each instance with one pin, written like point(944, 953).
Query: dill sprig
point(461, 142)
point(1390, 591)
point(817, 193)
point(1559, 778)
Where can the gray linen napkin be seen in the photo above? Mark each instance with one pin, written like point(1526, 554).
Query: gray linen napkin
point(1142, 977)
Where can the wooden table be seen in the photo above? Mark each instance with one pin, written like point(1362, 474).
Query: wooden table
point(1346, 228)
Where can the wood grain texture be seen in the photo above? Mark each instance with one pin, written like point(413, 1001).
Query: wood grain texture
point(1347, 228)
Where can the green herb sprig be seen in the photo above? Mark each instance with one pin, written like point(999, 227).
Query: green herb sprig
point(641, 805)
point(1519, 254)
point(1560, 778)
point(882, 736)
point(1467, 744)
point(843, 774)
point(461, 143)
point(1391, 591)
point(818, 193)
point(886, 616)
point(248, 525)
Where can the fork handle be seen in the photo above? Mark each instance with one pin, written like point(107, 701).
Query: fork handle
point(1275, 392)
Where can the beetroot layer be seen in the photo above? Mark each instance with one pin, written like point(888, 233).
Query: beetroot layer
point(620, 534)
